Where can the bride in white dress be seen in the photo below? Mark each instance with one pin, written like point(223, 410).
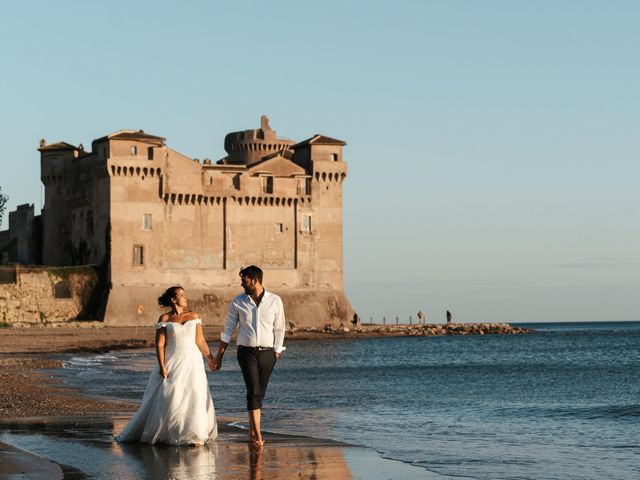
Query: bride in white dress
point(177, 408)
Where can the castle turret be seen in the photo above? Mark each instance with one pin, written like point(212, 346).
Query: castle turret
point(56, 162)
point(249, 146)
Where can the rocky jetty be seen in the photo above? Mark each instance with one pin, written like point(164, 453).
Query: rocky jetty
point(419, 330)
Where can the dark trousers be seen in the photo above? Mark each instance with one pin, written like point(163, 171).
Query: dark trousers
point(256, 366)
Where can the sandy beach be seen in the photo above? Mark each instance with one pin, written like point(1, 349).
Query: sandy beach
point(36, 407)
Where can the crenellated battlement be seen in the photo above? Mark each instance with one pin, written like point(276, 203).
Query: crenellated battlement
point(258, 147)
point(134, 171)
point(48, 180)
point(191, 199)
point(204, 200)
point(329, 176)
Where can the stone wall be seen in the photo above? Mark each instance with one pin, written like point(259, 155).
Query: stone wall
point(46, 296)
point(131, 305)
point(49, 296)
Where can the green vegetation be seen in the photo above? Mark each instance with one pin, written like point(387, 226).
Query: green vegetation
point(3, 204)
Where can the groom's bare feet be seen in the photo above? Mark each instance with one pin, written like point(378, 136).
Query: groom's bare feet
point(255, 439)
point(257, 445)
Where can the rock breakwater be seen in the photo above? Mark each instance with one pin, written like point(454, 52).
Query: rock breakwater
point(421, 330)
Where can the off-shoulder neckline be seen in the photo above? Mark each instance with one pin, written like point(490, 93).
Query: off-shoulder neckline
point(180, 323)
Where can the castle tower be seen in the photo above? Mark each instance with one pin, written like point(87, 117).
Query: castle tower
point(56, 173)
point(250, 146)
point(134, 161)
point(321, 220)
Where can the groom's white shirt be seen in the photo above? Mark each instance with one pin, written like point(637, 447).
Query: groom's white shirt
point(260, 326)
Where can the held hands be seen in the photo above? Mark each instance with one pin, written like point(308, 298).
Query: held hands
point(164, 372)
point(214, 363)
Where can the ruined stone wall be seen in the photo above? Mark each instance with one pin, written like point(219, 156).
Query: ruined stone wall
point(31, 299)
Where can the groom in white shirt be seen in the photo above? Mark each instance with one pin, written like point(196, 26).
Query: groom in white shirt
point(260, 337)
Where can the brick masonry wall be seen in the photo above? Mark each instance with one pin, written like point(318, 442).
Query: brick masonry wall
point(32, 301)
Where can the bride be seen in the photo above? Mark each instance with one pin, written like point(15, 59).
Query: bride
point(176, 407)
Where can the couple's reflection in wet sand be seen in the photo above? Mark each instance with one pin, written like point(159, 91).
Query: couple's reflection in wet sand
point(236, 460)
point(231, 457)
point(175, 462)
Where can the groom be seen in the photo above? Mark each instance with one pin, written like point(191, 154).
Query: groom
point(261, 317)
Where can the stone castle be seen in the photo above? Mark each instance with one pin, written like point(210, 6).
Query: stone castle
point(151, 217)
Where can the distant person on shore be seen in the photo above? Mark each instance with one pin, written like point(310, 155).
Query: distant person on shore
point(420, 317)
point(448, 317)
point(176, 408)
point(355, 320)
point(260, 339)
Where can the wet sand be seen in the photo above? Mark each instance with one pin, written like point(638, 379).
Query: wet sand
point(83, 447)
point(48, 430)
point(17, 463)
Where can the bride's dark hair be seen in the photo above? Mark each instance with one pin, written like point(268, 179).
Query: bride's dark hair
point(164, 300)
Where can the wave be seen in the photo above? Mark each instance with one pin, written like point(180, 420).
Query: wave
point(605, 411)
point(89, 361)
point(577, 412)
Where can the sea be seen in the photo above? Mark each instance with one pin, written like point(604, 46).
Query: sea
point(560, 403)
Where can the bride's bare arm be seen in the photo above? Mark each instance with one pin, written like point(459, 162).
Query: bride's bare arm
point(161, 341)
point(203, 346)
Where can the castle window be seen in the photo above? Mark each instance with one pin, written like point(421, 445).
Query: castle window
point(62, 290)
point(104, 152)
point(146, 221)
point(306, 224)
point(334, 157)
point(138, 255)
point(150, 153)
point(134, 150)
point(7, 274)
point(90, 222)
point(267, 184)
point(279, 228)
point(304, 186)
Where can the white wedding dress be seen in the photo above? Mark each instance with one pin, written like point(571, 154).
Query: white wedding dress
point(177, 410)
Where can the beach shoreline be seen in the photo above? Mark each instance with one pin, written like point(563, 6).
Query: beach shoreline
point(34, 400)
point(229, 457)
point(26, 353)
point(98, 338)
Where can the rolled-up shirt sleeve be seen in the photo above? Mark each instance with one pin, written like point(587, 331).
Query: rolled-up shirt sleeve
point(232, 321)
point(278, 328)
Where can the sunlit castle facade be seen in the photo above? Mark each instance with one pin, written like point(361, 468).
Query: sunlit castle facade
point(154, 217)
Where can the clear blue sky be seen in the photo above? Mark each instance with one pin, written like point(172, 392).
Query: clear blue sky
point(493, 146)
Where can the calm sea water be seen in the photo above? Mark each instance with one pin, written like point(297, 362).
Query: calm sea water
point(562, 403)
